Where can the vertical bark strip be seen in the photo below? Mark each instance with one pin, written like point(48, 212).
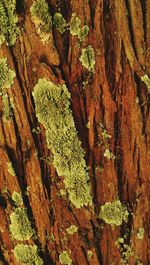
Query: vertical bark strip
point(110, 107)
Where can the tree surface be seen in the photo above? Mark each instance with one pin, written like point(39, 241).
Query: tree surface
point(98, 51)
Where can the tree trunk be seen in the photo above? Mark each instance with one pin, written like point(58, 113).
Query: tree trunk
point(110, 109)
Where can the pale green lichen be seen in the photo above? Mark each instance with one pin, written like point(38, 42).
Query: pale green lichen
point(87, 58)
point(146, 80)
point(6, 75)
point(10, 169)
point(140, 233)
point(126, 251)
point(109, 154)
point(59, 22)
point(27, 255)
point(64, 258)
point(89, 255)
point(8, 22)
point(20, 226)
point(114, 213)
point(75, 24)
point(7, 107)
point(53, 111)
point(75, 28)
point(42, 19)
point(17, 198)
point(72, 229)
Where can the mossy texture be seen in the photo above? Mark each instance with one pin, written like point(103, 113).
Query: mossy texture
point(8, 22)
point(75, 28)
point(53, 111)
point(27, 255)
point(42, 19)
point(87, 58)
point(6, 75)
point(64, 258)
point(59, 22)
point(20, 226)
point(114, 213)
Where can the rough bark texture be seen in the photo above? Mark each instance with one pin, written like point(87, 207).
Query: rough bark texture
point(116, 97)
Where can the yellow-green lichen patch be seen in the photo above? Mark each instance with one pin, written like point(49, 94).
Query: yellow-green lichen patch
point(59, 22)
point(87, 58)
point(20, 226)
point(75, 28)
point(27, 255)
point(11, 169)
point(6, 75)
point(125, 249)
point(64, 258)
point(146, 80)
point(140, 233)
point(75, 24)
point(42, 19)
point(7, 107)
point(72, 229)
point(8, 22)
point(114, 213)
point(53, 111)
point(108, 154)
point(89, 255)
point(17, 198)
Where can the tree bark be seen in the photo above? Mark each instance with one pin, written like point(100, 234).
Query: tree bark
point(114, 99)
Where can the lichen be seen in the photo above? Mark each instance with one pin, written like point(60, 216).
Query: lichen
point(42, 19)
point(72, 229)
point(140, 233)
point(11, 169)
point(83, 32)
point(146, 80)
point(59, 22)
point(8, 22)
point(75, 24)
point(17, 198)
point(89, 255)
point(87, 58)
point(114, 213)
point(64, 258)
point(7, 107)
point(20, 226)
point(27, 255)
point(126, 251)
point(6, 75)
point(109, 154)
point(53, 111)
point(75, 28)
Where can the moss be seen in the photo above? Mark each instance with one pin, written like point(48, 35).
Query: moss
point(64, 258)
point(72, 229)
point(140, 233)
point(42, 19)
point(87, 58)
point(89, 255)
point(146, 80)
point(114, 213)
point(20, 226)
point(27, 255)
point(59, 22)
point(17, 198)
point(11, 169)
point(6, 75)
point(53, 111)
point(8, 22)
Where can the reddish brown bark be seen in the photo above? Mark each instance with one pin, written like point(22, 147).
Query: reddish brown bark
point(115, 97)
